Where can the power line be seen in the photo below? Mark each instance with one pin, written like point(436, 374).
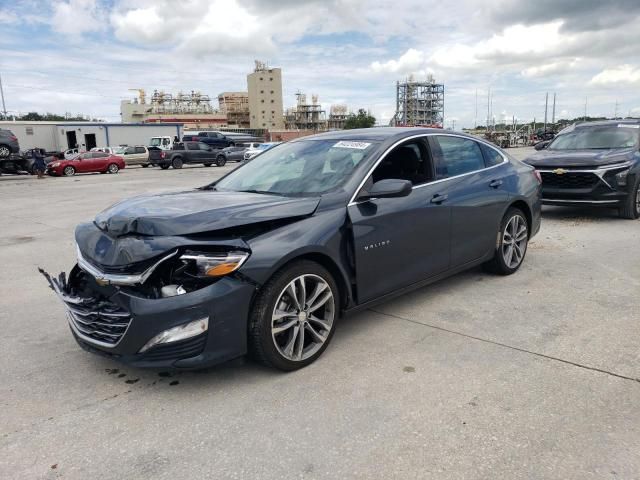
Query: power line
point(31, 87)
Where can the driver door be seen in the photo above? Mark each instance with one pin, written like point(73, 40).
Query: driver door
point(400, 241)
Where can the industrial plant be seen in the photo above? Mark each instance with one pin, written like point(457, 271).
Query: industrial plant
point(419, 103)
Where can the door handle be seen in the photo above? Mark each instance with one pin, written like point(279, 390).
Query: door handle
point(439, 198)
point(495, 183)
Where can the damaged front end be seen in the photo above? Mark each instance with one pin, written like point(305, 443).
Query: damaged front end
point(184, 308)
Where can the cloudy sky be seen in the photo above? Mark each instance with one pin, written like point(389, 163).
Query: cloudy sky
point(83, 56)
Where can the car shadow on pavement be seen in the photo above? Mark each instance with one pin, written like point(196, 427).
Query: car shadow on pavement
point(600, 214)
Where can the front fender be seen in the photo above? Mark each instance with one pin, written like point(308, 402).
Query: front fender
point(323, 234)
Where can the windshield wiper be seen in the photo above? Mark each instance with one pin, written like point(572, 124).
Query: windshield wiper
point(262, 192)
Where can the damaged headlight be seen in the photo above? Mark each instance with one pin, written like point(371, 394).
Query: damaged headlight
point(215, 264)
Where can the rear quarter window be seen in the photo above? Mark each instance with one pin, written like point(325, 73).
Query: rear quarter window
point(491, 156)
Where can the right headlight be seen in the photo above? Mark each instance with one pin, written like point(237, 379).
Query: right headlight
point(215, 264)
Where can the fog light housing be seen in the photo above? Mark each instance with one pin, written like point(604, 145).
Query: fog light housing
point(175, 334)
point(621, 178)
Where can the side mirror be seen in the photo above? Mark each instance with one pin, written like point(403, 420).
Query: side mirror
point(542, 145)
point(388, 188)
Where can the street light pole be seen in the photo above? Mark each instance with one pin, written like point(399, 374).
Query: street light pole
point(4, 107)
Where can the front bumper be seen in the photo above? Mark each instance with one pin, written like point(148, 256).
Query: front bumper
point(225, 303)
point(572, 186)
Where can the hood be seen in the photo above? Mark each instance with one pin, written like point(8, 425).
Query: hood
point(198, 211)
point(579, 158)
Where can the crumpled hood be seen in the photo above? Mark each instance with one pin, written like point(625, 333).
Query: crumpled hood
point(579, 158)
point(197, 211)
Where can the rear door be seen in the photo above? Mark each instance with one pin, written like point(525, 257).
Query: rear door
point(99, 161)
point(400, 241)
point(476, 194)
point(141, 155)
point(192, 152)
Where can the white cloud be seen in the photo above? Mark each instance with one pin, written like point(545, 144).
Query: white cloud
point(517, 42)
point(75, 17)
point(623, 74)
point(412, 61)
point(549, 68)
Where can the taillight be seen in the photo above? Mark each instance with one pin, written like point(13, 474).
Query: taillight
point(538, 176)
point(13, 138)
point(162, 154)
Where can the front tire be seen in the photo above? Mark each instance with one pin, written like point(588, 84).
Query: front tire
point(294, 316)
point(512, 243)
point(69, 171)
point(221, 161)
point(631, 207)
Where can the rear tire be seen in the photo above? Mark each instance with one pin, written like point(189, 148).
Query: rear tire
point(207, 164)
point(164, 167)
point(221, 161)
point(177, 163)
point(631, 206)
point(512, 243)
point(69, 171)
point(4, 151)
point(145, 165)
point(285, 330)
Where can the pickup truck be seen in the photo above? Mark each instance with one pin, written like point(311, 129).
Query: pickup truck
point(186, 152)
point(218, 140)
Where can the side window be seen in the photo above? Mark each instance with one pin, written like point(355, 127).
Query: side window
point(192, 146)
point(409, 161)
point(491, 156)
point(203, 146)
point(129, 150)
point(455, 156)
point(140, 150)
point(100, 155)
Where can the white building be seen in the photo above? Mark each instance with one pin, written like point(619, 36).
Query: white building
point(58, 136)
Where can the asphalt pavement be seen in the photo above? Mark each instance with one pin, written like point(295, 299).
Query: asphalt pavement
point(531, 376)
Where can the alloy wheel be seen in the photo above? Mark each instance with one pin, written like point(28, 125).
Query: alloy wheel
point(303, 317)
point(113, 168)
point(4, 152)
point(638, 198)
point(68, 171)
point(514, 241)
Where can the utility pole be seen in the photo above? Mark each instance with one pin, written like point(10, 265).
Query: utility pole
point(546, 108)
point(615, 112)
point(475, 118)
point(585, 108)
point(488, 110)
point(553, 115)
point(4, 107)
point(453, 124)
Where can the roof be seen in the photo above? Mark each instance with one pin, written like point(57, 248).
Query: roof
point(376, 133)
point(601, 123)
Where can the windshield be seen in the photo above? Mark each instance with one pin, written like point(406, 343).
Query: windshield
point(155, 142)
point(600, 138)
point(118, 150)
point(302, 168)
point(264, 146)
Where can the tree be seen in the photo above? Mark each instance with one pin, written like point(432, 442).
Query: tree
point(361, 120)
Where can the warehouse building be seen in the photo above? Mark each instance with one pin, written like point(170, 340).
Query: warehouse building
point(58, 136)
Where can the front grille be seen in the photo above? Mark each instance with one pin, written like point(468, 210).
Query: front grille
point(190, 347)
point(99, 320)
point(569, 180)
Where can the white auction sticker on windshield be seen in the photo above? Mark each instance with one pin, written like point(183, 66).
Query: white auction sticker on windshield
point(356, 145)
point(627, 125)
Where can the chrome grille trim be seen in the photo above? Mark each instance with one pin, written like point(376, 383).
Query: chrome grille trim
point(118, 279)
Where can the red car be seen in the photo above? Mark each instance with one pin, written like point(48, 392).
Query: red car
point(85, 163)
